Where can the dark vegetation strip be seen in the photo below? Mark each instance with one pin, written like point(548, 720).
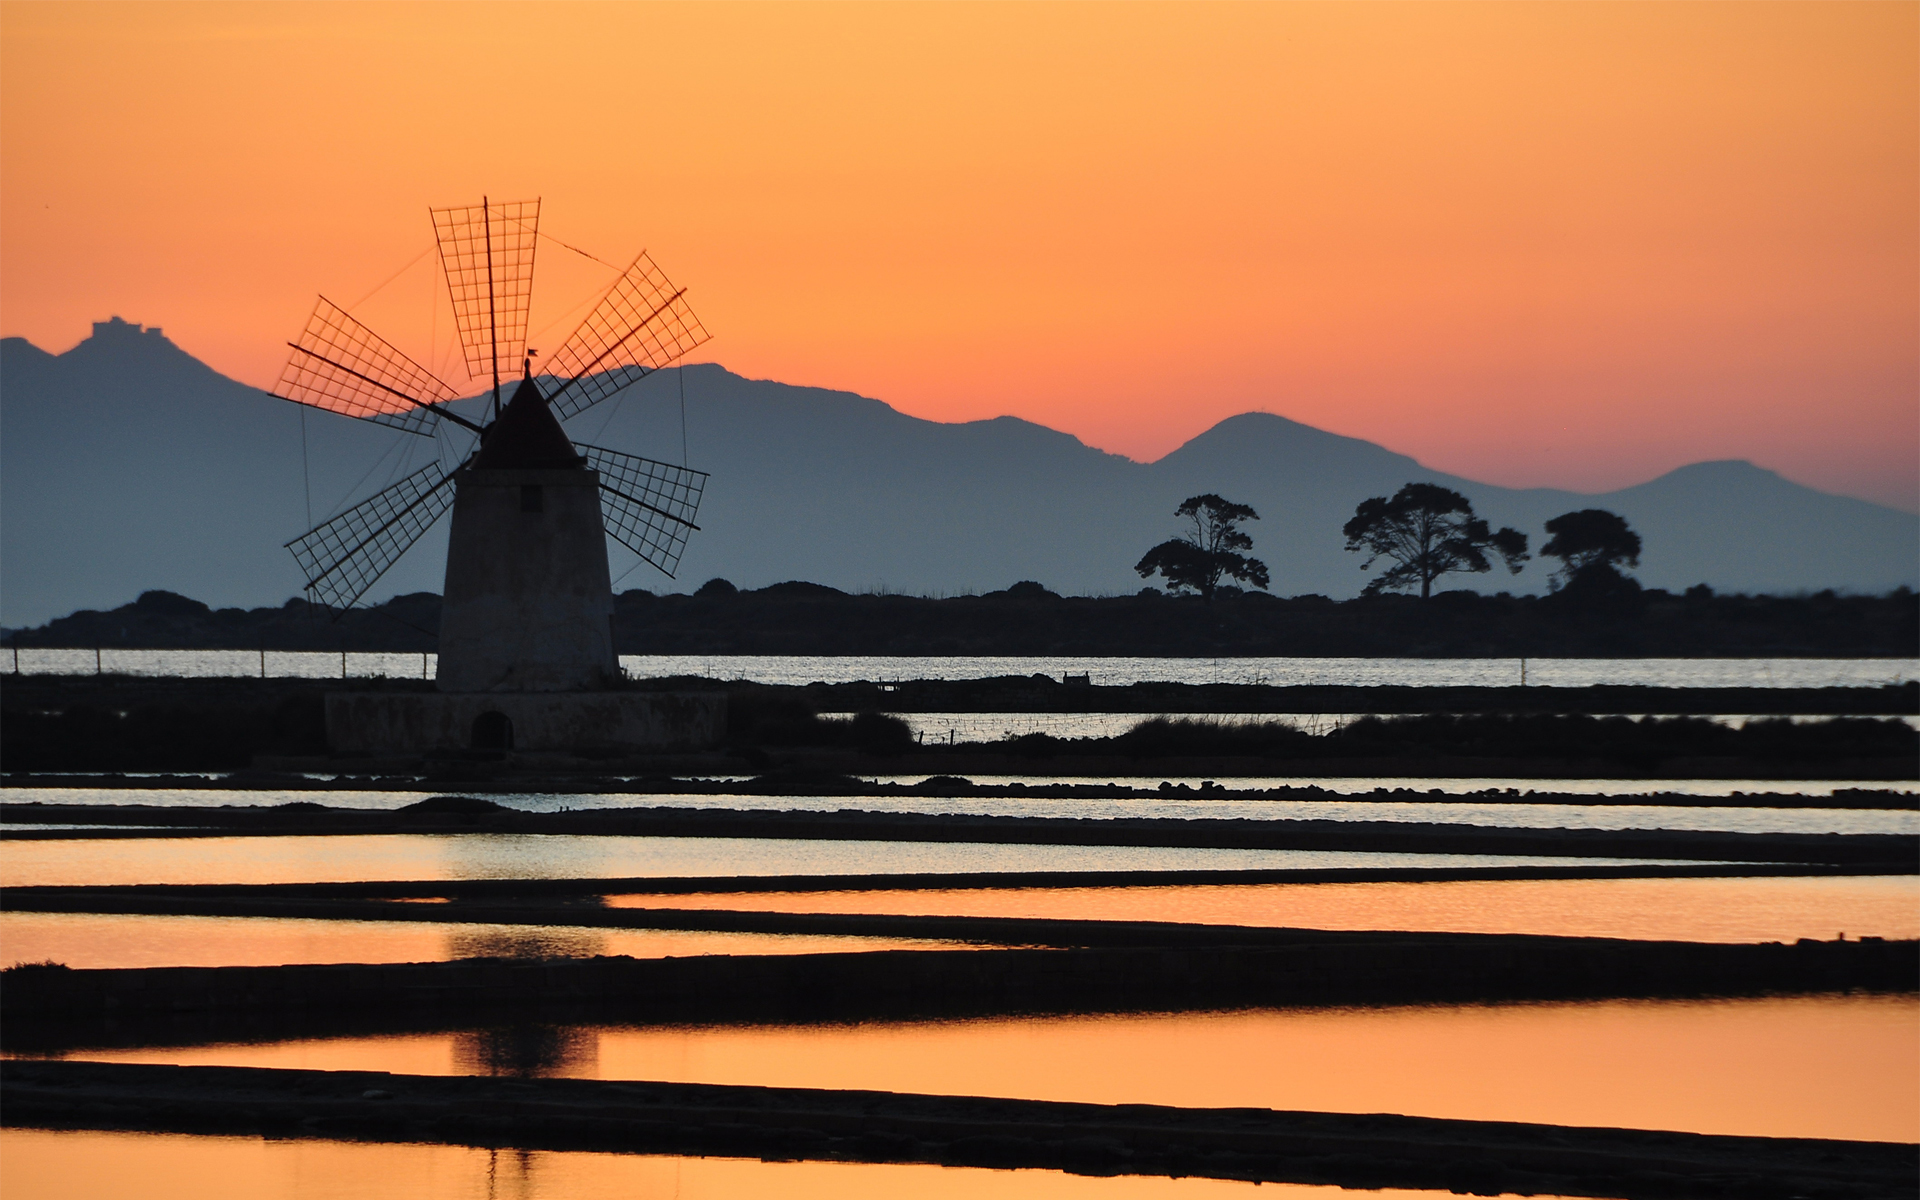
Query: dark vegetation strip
point(1351, 1151)
point(807, 618)
point(307, 820)
point(87, 724)
point(46, 1006)
point(635, 790)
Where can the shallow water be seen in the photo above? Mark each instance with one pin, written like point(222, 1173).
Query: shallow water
point(1824, 1066)
point(349, 858)
point(1111, 671)
point(95, 940)
point(1689, 910)
point(75, 1165)
point(1516, 815)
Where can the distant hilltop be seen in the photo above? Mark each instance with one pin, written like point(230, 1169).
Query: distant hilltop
point(115, 328)
point(127, 465)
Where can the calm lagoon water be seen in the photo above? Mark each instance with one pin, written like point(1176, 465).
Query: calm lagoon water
point(368, 857)
point(1515, 815)
point(73, 1165)
point(93, 940)
point(1729, 909)
point(804, 669)
point(1818, 1066)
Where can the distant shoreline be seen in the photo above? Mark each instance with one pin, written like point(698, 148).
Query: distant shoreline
point(1029, 621)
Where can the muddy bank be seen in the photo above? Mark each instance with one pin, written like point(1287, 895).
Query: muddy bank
point(73, 898)
point(578, 912)
point(1269, 968)
point(124, 724)
point(1370, 1151)
point(1883, 853)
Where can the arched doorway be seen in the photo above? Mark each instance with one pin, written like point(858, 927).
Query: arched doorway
point(492, 731)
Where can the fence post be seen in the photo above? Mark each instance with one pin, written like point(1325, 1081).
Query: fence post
point(96, 660)
point(263, 662)
point(343, 664)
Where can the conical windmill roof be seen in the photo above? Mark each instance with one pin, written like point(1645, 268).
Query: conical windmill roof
point(527, 436)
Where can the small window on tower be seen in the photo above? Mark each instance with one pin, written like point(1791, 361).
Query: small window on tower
point(532, 499)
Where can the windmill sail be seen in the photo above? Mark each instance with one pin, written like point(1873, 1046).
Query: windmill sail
point(640, 325)
point(342, 366)
point(486, 250)
point(343, 558)
point(649, 505)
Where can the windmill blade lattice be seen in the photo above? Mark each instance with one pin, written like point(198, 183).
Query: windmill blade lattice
point(640, 325)
point(649, 505)
point(344, 557)
point(342, 366)
point(486, 251)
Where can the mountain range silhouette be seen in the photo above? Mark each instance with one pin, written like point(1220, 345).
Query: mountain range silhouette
point(126, 464)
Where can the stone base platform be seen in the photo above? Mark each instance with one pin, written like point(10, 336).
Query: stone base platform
point(418, 723)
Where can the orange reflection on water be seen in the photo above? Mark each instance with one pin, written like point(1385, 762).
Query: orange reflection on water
point(89, 940)
point(41, 1165)
point(1823, 1066)
point(1692, 910)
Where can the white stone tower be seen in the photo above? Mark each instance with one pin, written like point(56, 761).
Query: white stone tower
point(528, 603)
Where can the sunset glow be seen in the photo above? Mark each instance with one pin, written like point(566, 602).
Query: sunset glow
point(1572, 245)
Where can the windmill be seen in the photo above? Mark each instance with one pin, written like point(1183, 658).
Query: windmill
point(528, 603)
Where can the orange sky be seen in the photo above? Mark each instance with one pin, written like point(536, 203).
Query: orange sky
point(1567, 244)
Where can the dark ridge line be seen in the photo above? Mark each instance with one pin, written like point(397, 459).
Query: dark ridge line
point(1048, 786)
point(1358, 1151)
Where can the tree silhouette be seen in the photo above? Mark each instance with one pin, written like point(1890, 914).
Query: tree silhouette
point(1428, 531)
point(1198, 561)
point(1589, 543)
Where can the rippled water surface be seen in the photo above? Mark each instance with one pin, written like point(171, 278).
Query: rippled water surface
point(91, 940)
point(1689, 910)
point(362, 857)
point(1115, 671)
point(69, 1165)
point(1824, 1066)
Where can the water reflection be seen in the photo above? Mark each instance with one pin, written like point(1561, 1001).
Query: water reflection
point(367, 857)
point(45, 1165)
point(517, 941)
point(93, 940)
point(1809, 1066)
point(1687, 910)
point(528, 1051)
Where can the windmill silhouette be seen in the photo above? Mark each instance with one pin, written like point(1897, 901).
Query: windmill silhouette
point(528, 603)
